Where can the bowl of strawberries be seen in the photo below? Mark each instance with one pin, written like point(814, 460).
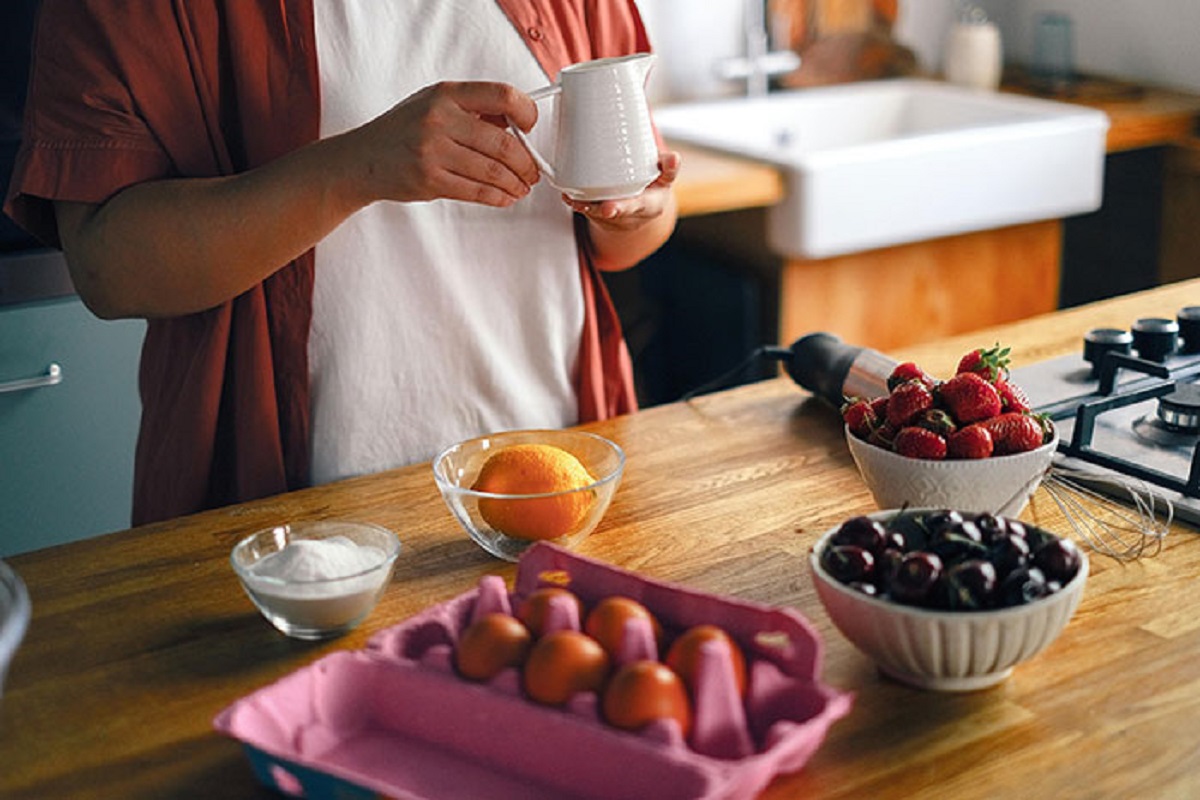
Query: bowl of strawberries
point(969, 442)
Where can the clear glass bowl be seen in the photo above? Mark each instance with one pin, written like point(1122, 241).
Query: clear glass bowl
point(14, 617)
point(311, 601)
point(457, 468)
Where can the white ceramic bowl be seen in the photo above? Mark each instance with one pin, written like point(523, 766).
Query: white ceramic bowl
point(457, 468)
point(14, 617)
point(944, 650)
point(316, 591)
point(998, 485)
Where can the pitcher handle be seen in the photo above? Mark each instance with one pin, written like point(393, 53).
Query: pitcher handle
point(535, 96)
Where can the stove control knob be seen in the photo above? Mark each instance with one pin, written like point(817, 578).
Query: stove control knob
point(1180, 410)
point(1189, 329)
point(1100, 341)
point(1154, 339)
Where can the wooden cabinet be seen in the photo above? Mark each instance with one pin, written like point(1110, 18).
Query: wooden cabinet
point(66, 446)
point(914, 293)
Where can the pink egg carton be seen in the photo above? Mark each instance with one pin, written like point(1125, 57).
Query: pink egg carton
point(395, 719)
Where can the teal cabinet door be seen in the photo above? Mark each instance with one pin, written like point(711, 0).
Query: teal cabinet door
point(69, 413)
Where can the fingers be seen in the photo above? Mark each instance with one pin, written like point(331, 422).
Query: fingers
point(634, 211)
point(443, 142)
point(496, 100)
point(496, 145)
point(477, 178)
point(669, 162)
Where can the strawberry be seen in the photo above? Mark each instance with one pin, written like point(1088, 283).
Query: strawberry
point(1012, 397)
point(859, 415)
point(908, 371)
point(882, 436)
point(916, 442)
point(973, 441)
point(992, 363)
point(969, 398)
point(879, 406)
point(1014, 432)
point(907, 401)
point(936, 420)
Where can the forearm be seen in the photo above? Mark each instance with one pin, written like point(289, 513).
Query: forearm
point(177, 247)
point(617, 248)
point(174, 247)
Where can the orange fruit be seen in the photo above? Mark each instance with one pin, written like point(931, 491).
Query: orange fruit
point(534, 469)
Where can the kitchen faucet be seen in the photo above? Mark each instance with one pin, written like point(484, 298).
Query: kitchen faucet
point(760, 62)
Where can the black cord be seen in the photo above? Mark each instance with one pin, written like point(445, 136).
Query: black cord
point(767, 351)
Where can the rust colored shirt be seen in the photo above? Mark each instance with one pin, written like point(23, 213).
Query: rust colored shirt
point(141, 90)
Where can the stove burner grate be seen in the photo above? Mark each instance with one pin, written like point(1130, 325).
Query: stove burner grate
point(1153, 430)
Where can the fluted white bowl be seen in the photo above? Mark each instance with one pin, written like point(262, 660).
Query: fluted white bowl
point(944, 650)
point(997, 485)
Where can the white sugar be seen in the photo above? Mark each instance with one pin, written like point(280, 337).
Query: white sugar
point(319, 559)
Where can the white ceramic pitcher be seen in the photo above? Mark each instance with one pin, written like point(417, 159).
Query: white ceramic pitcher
point(605, 147)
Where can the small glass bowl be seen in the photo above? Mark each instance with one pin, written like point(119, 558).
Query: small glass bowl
point(309, 607)
point(457, 468)
point(14, 617)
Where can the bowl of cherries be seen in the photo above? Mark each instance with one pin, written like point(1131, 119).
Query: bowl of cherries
point(947, 600)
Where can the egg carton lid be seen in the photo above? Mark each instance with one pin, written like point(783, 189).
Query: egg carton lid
point(395, 719)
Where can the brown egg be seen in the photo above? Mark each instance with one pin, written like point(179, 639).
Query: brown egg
point(490, 644)
point(563, 663)
point(607, 620)
point(644, 691)
point(684, 654)
point(547, 604)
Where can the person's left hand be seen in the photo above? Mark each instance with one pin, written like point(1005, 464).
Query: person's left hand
point(633, 212)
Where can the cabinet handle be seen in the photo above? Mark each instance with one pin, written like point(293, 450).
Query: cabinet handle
point(52, 377)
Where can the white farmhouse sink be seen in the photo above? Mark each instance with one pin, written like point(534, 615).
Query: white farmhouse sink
point(881, 163)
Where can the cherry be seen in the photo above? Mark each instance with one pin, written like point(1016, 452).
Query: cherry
point(862, 532)
point(1008, 552)
point(1059, 559)
point(1023, 585)
point(969, 585)
point(849, 563)
point(958, 541)
point(916, 576)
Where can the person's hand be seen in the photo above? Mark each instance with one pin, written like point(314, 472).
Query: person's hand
point(449, 140)
point(633, 212)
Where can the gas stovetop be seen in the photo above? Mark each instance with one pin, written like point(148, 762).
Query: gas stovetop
point(1128, 407)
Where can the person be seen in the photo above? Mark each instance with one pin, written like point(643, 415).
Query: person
point(345, 260)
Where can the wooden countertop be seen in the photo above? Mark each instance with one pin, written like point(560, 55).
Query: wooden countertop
point(711, 182)
point(1139, 116)
point(140, 637)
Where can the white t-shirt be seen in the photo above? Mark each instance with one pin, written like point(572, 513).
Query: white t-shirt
point(434, 322)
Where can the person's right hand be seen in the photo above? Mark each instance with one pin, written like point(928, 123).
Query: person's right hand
point(449, 140)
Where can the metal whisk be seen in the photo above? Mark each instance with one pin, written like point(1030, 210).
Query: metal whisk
point(1124, 531)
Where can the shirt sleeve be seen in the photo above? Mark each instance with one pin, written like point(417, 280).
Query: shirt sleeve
point(85, 135)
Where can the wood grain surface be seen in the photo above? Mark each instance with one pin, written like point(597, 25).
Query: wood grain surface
point(140, 637)
point(710, 182)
